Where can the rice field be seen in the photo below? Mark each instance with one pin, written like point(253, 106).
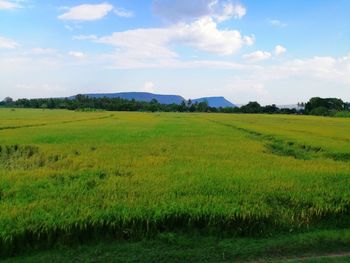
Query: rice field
point(67, 176)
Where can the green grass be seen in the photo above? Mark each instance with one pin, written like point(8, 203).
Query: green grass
point(68, 177)
point(343, 114)
point(172, 247)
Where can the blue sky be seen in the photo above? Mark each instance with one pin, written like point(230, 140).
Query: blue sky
point(269, 51)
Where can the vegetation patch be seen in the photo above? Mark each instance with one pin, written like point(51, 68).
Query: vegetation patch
point(290, 148)
point(14, 156)
point(25, 157)
point(345, 157)
point(298, 151)
point(283, 147)
point(343, 114)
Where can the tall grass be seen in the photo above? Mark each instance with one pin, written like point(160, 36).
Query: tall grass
point(343, 114)
point(132, 175)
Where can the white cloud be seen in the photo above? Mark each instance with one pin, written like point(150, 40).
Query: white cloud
point(276, 82)
point(149, 87)
point(77, 54)
point(292, 81)
point(87, 12)
point(230, 10)
point(279, 50)
point(330, 69)
point(141, 60)
point(149, 47)
point(249, 40)
point(263, 55)
point(91, 12)
point(8, 5)
point(204, 35)
point(319, 67)
point(184, 10)
point(276, 22)
point(345, 61)
point(257, 55)
point(155, 43)
point(140, 46)
point(8, 43)
point(122, 12)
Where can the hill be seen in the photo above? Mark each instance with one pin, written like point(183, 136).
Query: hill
point(140, 96)
point(215, 102)
point(163, 99)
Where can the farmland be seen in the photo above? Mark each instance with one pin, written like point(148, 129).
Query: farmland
point(70, 176)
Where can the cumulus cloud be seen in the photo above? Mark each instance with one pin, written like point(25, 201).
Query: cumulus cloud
point(8, 43)
point(184, 10)
point(204, 35)
point(77, 54)
point(142, 45)
point(263, 55)
point(230, 10)
point(147, 47)
point(257, 55)
point(9, 5)
point(149, 87)
point(279, 50)
point(87, 12)
point(91, 12)
point(201, 34)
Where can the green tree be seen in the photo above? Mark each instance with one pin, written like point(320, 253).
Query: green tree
point(325, 106)
point(8, 100)
point(183, 106)
point(251, 107)
point(270, 109)
point(320, 111)
point(203, 106)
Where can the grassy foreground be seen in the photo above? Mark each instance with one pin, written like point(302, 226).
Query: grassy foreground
point(171, 247)
point(68, 177)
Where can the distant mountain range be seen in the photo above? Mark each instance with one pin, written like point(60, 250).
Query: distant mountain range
point(216, 102)
point(139, 96)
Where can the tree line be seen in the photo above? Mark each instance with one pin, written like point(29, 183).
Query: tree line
point(316, 106)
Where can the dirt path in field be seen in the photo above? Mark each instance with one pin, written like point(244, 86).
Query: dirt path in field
point(308, 258)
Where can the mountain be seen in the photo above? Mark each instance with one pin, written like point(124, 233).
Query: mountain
point(163, 99)
point(215, 102)
point(140, 96)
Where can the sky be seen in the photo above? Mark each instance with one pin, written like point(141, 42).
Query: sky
point(271, 51)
